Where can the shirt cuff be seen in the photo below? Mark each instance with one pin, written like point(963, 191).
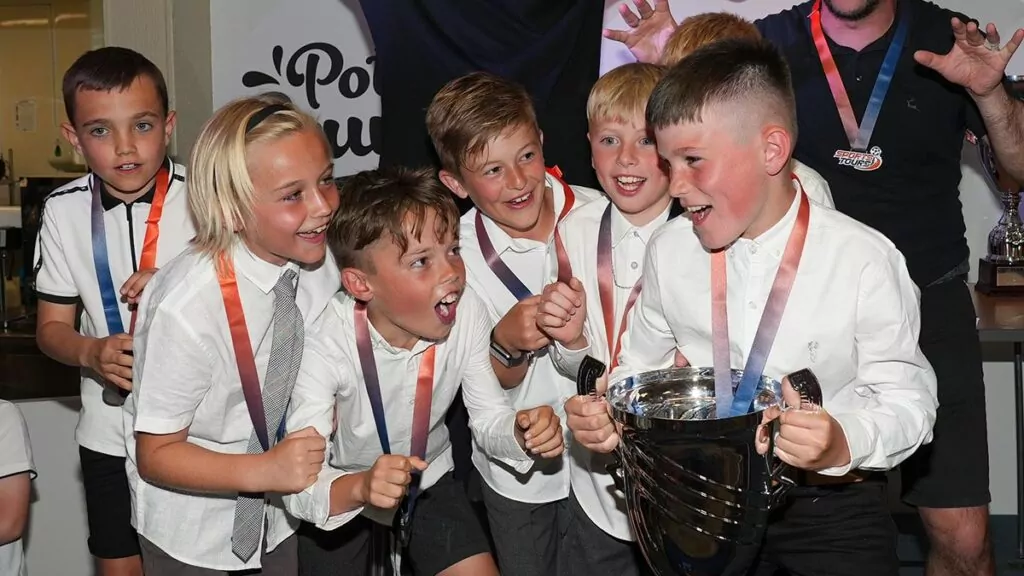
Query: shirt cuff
point(151, 425)
point(513, 454)
point(314, 503)
point(568, 361)
point(857, 440)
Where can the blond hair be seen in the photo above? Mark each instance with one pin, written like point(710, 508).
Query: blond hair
point(221, 195)
point(622, 93)
point(471, 111)
point(701, 29)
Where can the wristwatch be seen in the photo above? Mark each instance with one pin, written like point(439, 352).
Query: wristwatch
point(506, 358)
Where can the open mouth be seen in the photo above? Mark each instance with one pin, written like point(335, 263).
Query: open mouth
point(128, 167)
point(521, 201)
point(698, 214)
point(629, 184)
point(314, 235)
point(445, 309)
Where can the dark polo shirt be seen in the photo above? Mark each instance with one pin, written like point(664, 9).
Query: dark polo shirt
point(913, 197)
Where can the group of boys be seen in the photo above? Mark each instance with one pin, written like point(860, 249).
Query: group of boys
point(698, 187)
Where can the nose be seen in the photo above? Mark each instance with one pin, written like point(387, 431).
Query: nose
point(321, 201)
point(515, 178)
point(679, 183)
point(626, 156)
point(453, 269)
point(124, 142)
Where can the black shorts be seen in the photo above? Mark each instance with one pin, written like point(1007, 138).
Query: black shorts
point(445, 531)
point(951, 471)
point(841, 530)
point(108, 505)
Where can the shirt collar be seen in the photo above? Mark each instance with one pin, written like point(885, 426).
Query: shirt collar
point(775, 238)
point(622, 228)
point(110, 202)
point(500, 239)
point(257, 270)
point(377, 342)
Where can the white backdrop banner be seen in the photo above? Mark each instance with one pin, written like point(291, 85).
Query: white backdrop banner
point(318, 52)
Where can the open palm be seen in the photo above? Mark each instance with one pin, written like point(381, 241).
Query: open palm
point(976, 61)
point(649, 29)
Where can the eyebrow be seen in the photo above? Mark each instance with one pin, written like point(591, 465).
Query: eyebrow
point(139, 116)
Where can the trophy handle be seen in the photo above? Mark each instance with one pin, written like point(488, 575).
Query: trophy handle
point(614, 469)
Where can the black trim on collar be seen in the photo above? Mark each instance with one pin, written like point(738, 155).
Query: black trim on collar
point(675, 209)
point(110, 202)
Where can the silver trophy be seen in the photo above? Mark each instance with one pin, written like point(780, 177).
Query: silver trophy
point(1001, 271)
point(697, 492)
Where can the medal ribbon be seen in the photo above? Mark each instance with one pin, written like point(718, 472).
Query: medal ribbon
point(101, 258)
point(502, 271)
point(606, 292)
point(858, 136)
point(244, 358)
point(421, 408)
point(766, 329)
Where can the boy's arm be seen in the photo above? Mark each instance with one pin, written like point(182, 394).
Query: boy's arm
point(170, 382)
point(16, 473)
point(492, 418)
point(647, 343)
point(331, 501)
point(892, 372)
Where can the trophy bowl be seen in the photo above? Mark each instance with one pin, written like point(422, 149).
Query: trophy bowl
point(698, 494)
point(1001, 271)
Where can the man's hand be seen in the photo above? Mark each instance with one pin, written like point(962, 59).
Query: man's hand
point(591, 423)
point(976, 61)
point(649, 29)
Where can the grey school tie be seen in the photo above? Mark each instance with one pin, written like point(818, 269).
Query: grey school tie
point(282, 369)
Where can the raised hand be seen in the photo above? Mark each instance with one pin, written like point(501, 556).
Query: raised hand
point(649, 29)
point(976, 61)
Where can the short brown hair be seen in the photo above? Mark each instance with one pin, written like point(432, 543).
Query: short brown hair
point(110, 68)
point(470, 111)
point(622, 93)
point(723, 72)
point(701, 29)
point(391, 201)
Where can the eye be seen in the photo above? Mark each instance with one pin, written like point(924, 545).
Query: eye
point(419, 262)
point(456, 250)
point(529, 156)
point(292, 196)
point(144, 126)
point(493, 171)
point(327, 181)
point(691, 160)
point(609, 141)
point(647, 141)
point(99, 132)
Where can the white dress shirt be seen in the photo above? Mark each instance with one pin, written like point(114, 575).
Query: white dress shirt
point(815, 186)
point(15, 458)
point(66, 274)
point(186, 376)
point(331, 385)
point(548, 480)
point(852, 318)
point(593, 486)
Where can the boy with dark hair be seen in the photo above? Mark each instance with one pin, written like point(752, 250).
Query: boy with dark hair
point(101, 238)
point(385, 361)
point(841, 305)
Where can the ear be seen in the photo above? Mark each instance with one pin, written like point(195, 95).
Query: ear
point(68, 131)
point(778, 148)
point(169, 123)
point(357, 284)
point(540, 134)
point(452, 182)
point(591, 155)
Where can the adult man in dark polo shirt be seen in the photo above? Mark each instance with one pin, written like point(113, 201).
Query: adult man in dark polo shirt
point(900, 176)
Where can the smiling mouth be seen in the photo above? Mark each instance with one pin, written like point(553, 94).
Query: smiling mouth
point(445, 309)
point(630, 183)
point(698, 213)
point(521, 200)
point(314, 232)
point(127, 167)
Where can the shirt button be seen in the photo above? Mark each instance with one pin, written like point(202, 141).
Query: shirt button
point(752, 304)
point(634, 265)
point(753, 248)
point(859, 78)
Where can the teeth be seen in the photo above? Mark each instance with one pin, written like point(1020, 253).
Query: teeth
point(315, 231)
point(127, 166)
point(630, 179)
point(450, 298)
point(695, 209)
point(521, 199)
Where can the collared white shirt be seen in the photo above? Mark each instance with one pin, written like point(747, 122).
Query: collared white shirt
point(548, 481)
point(331, 385)
point(15, 458)
point(852, 318)
point(66, 274)
point(816, 188)
point(593, 486)
point(186, 376)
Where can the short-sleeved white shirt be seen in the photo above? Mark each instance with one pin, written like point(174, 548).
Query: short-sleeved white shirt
point(15, 458)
